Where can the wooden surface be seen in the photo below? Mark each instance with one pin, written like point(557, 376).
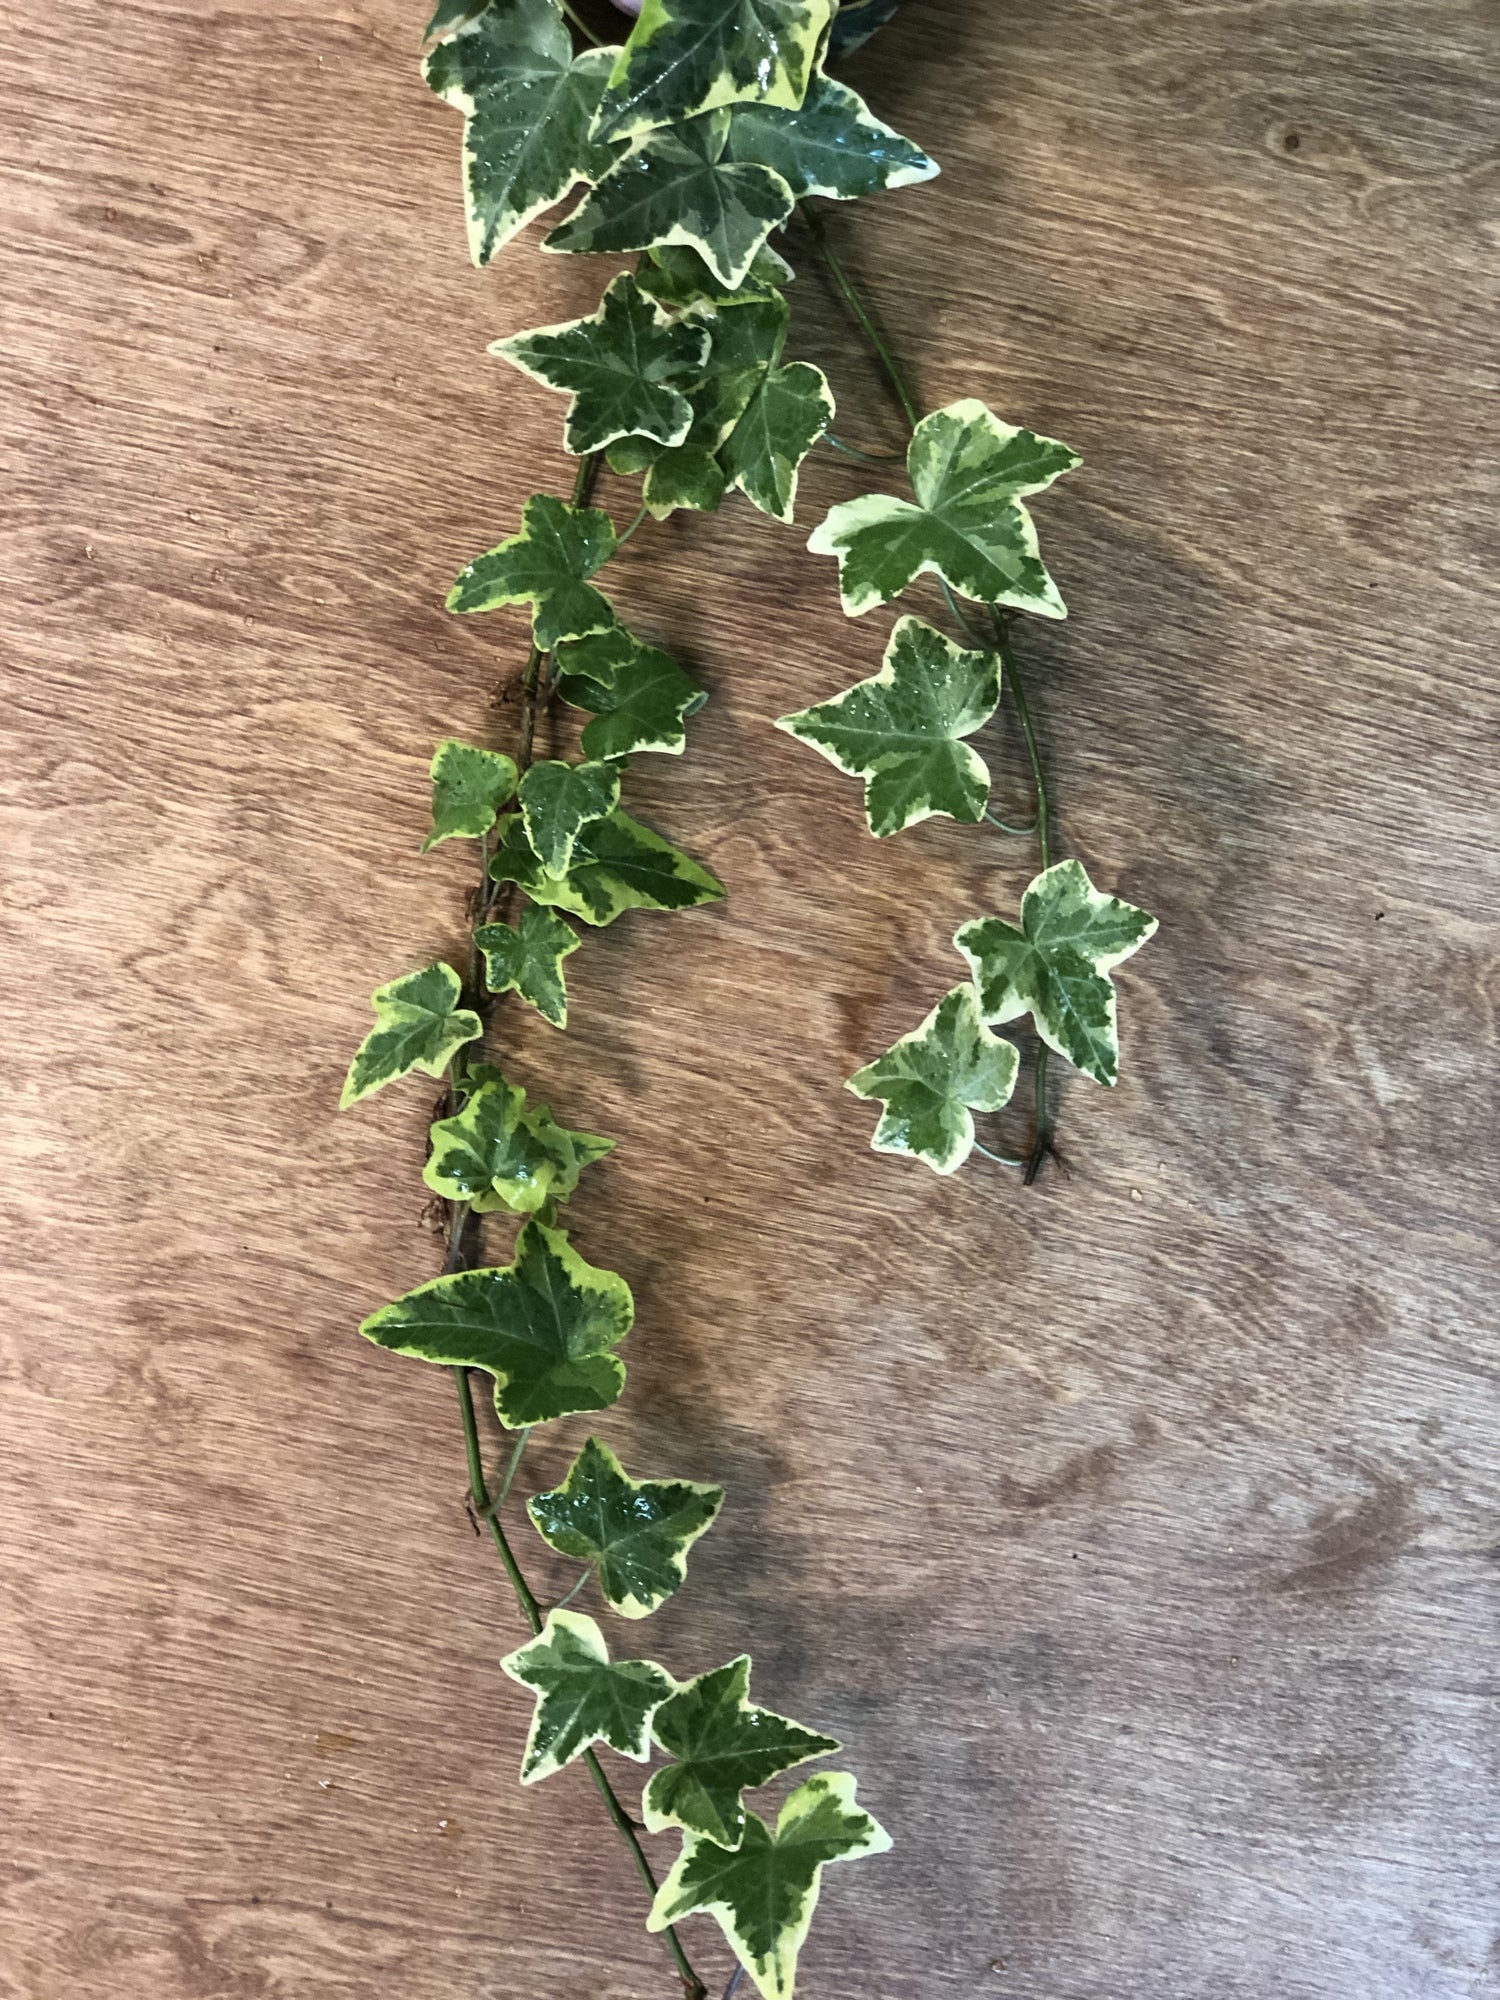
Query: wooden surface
point(1138, 1533)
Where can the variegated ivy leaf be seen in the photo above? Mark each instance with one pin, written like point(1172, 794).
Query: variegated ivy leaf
point(635, 1532)
point(833, 146)
point(724, 1745)
point(583, 1697)
point(680, 186)
point(469, 786)
point(617, 865)
point(638, 695)
point(856, 21)
point(685, 475)
point(418, 1025)
point(969, 472)
point(784, 419)
point(902, 730)
point(448, 14)
point(679, 277)
point(559, 799)
point(932, 1079)
point(547, 566)
point(687, 56)
point(624, 367)
point(494, 1153)
point(1056, 967)
point(529, 960)
point(764, 1891)
point(543, 1326)
point(528, 105)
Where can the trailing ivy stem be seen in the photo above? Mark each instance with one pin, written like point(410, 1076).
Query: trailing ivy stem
point(480, 1499)
point(835, 269)
point(581, 25)
point(623, 539)
point(864, 457)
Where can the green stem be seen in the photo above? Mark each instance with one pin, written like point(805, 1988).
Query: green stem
point(864, 457)
point(1005, 825)
point(835, 269)
point(1000, 1159)
point(485, 1507)
point(581, 25)
point(621, 540)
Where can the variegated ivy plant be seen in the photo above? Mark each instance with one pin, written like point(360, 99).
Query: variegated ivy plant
point(713, 127)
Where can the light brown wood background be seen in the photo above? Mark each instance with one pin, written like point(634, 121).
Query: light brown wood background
point(1137, 1533)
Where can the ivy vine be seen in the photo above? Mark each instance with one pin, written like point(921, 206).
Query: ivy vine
point(713, 127)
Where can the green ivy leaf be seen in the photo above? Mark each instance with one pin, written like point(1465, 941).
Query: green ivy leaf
point(529, 960)
point(764, 1891)
point(617, 865)
point(688, 475)
point(638, 695)
point(449, 14)
point(558, 800)
point(833, 146)
point(1056, 967)
point(784, 419)
point(679, 277)
point(902, 730)
point(583, 1697)
point(969, 472)
point(635, 1532)
point(687, 56)
point(418, 1025)
point(933, 1078)
point(494, 1153)
point(679, 186)
point(548, 566)
point(624, 367)
point(528, 106)
point(724, 1745)
point(469, 786)
point(543, 1326)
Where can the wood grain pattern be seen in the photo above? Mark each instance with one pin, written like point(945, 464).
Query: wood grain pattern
point(1138, 1534)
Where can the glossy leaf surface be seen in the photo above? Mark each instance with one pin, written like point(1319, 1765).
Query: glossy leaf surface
point(582, 1696)
point(723, 1745)
point(418, 1025)
point(764, 1891)
point(543, 1326)
point(1056, 966)
point(969, 472)
point(832, 146)
point(469, 786)
point(902, 730)
point(558, 800)
point(688, 56)
point(635, 1532)
point(529, 105)
point(934, 1078)
point(547, 566)
point(617, 865)
point(494, 1153)
point(623, 368)
point(638, 695)
point(528, 960)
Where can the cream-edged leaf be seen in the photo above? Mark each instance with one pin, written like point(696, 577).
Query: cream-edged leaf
point(469, 786)
point(764, 1891)
point(723, 1745)
point(558, 800)
point(418, 1025)
point(528, 960)
point(636, 1533)
point(934, 1078)
point(638, 696)
point(494, 1153)
point(679, 277)
point(688, 56)
point(617, 865)
point(547, 565)
point(902, 730)
point(623, 367)
point(789, 412)
point(832, 146)
point(529, 106)
point(582, 1696)
point(969, 472)
point(543, 1326)
point(1056, 966)
point(678, 186)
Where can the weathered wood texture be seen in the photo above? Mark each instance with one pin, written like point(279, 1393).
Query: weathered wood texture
point(1138, 1533)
